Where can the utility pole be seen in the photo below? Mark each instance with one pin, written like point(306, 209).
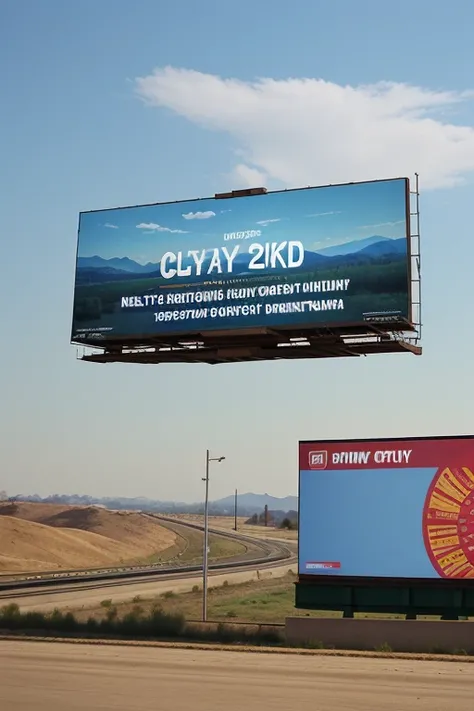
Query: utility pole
point(205, 554)
point(235, 511)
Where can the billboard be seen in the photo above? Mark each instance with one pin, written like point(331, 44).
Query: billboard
point(387, 509)
point(335, 255)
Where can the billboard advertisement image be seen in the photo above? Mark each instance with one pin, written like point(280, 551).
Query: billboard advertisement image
point(296, 258)
point(387, 509)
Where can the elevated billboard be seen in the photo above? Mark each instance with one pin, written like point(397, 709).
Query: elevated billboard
point(387, 509)
point(305, 258)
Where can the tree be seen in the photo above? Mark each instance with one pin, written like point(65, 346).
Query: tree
point(288, 524)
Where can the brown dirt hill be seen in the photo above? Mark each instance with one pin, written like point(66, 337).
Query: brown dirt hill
point(46, 536)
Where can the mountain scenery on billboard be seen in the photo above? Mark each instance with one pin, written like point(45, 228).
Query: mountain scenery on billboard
point(398, 509)
point(309, 257)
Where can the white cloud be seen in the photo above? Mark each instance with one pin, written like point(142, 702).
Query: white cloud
point(311, 131)
point(152, 227)
point(242, 176)
point(199, 215)
point(264, 223)
point(110, 226)
point(323, 214)
point(381, 224)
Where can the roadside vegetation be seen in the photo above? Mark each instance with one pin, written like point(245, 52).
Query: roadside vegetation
point(189, 544)
point(135, 624)
point(266, 601)
point(250, 613)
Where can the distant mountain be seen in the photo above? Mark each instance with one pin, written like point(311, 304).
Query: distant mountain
point(247, 504)
point(123, 264)
point(257, 502)
point(95, 269)
point(387, 247)
point(103, 276)
point(351, 247)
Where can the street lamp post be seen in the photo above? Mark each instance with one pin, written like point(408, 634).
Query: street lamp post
point(235, 510)
point(205, 555)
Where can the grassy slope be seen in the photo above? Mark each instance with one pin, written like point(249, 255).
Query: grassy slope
point(267, 601)
point(44, 537)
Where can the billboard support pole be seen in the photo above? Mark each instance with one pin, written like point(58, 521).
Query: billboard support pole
point(205, 553)
point(415, 257)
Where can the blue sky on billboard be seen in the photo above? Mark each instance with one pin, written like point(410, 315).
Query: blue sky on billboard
point(320, 218)
point(117, 103)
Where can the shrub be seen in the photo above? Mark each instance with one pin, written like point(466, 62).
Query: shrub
point(162, 624)
point(92, 626)
point(106, 603)
point(135, 624)
point(112, 614)
point(10, 616)
point(288, 524)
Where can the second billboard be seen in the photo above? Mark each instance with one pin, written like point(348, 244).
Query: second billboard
point(335, 255)
point(387, 509)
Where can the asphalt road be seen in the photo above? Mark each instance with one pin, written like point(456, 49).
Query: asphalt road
point(55, 677)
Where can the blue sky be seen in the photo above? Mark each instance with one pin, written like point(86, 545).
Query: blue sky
point(319, 218)
point(277, 94)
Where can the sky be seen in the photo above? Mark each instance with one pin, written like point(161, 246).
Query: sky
point(319, 218)
point(116, 103)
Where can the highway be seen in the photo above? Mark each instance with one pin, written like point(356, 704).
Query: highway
point(53, 677)
point(75, 589)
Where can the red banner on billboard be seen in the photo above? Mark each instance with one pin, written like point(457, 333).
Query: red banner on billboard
point(384, 454)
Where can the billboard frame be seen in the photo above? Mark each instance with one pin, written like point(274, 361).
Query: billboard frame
point(275, 343)
point(450, 598)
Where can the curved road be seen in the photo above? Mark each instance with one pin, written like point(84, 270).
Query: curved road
point(73, 591)
point(53, 677)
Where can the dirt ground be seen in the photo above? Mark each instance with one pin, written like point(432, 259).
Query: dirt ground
point(77, 677)
point(36, 537)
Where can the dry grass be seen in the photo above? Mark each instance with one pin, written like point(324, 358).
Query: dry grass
point(226, 523)
point(192, 542)
point(30, 546)
point(267, 601)
point(45, 537)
